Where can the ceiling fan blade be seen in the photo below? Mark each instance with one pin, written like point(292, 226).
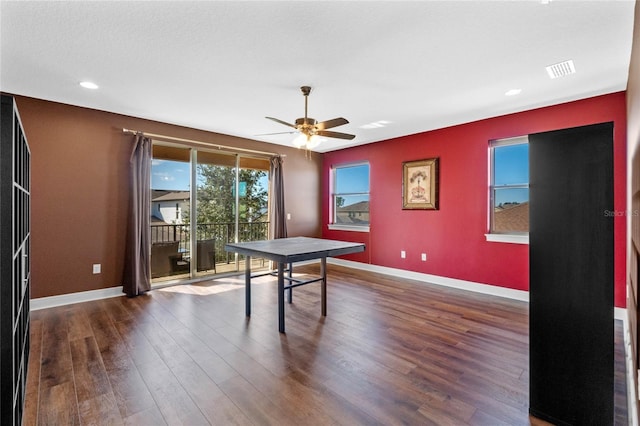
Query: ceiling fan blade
point(281, 122)
point(277, 133)
point(328, 124)
point(338, 135)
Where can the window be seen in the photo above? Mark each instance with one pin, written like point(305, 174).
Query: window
point(509, 190)
point(350, 197)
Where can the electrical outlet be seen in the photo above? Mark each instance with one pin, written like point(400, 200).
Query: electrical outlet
point(288, 216)
point(424, 257)
point(403, 254)
point(97, 268)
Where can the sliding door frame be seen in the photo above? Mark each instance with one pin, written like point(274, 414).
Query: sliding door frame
point(193, 213)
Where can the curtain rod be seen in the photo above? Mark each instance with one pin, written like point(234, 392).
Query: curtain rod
point(174, 139)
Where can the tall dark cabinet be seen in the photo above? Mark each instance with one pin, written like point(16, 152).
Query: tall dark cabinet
point(15, 187)
point(571, 316)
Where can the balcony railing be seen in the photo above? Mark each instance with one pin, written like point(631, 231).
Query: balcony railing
point(221, 233)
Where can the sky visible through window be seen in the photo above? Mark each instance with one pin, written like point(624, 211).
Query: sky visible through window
point(175, 175)
point(170, 175)
point(352, 180)
point(511, 167)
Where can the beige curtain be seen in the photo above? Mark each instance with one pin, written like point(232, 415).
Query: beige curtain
point(277, 214)
point(137, 273)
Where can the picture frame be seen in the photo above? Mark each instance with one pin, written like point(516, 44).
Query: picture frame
point(420, 184)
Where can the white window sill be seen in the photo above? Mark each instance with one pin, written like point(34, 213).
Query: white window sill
point(338, 227)
point(508, 238)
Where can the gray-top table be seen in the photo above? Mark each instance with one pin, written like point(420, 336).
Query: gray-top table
point(287, 251)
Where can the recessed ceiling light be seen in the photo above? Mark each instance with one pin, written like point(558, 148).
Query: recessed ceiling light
point(513, 92)
point(88, 85)
point(561, 69)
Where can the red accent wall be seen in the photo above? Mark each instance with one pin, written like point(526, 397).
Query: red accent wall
point(453, 236)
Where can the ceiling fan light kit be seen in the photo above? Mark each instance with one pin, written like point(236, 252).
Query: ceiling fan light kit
point(306, 141)
point(309, 129)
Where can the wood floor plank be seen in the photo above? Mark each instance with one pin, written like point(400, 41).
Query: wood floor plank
point(58, 405)
point(136, 343)
point(211, 363)
point(385, 407)
point(30, 416)
point(150, 416)
point(447, 411)
point(100, 410)
point(172, 399)
point(182, 391)
point(130, 391)
point(56, 364)
point(214, 404)
point(258, 408)
point(57, 401)
point(90, 376)
point(282, 392)
point(482, 418)
point(390, 351)
point(197, 387)
point(77, 322)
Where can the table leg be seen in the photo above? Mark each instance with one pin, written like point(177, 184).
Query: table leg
point(290, 291)
point(247, 285)
point(323, 288)
point(281, 297)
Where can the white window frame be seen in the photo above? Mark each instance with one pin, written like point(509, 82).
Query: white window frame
point(503, 237)
point(333, 194)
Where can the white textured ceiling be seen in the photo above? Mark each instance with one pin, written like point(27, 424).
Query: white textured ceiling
point(224, 66)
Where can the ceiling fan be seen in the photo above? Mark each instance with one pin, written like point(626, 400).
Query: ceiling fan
point(310, 129)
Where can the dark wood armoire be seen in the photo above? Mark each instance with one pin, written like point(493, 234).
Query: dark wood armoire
point(571, 314)
point(15, 204)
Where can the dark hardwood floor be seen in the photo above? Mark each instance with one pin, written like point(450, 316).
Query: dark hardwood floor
point(390, 351)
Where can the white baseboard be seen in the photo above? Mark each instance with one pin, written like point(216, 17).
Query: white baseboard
point(493, 290)
point(104, 293)
point(621, 314)
point(82, 296)
point(509, 293)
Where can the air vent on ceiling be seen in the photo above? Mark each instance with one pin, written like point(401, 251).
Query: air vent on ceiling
point(561, 69)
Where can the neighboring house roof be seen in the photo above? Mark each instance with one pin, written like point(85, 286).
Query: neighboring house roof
point(362, 206)
point(163, 195)
point(513, 217)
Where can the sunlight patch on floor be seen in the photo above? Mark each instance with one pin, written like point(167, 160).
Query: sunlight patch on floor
point(201, 290)
point(207, 287)
point(217, 286)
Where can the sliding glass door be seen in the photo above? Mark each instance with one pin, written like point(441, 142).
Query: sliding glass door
point(170, 204)
point(228, 203)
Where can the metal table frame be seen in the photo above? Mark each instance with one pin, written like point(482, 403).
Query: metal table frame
point(286, 251)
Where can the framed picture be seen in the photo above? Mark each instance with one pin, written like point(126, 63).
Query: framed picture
point(420, 184)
